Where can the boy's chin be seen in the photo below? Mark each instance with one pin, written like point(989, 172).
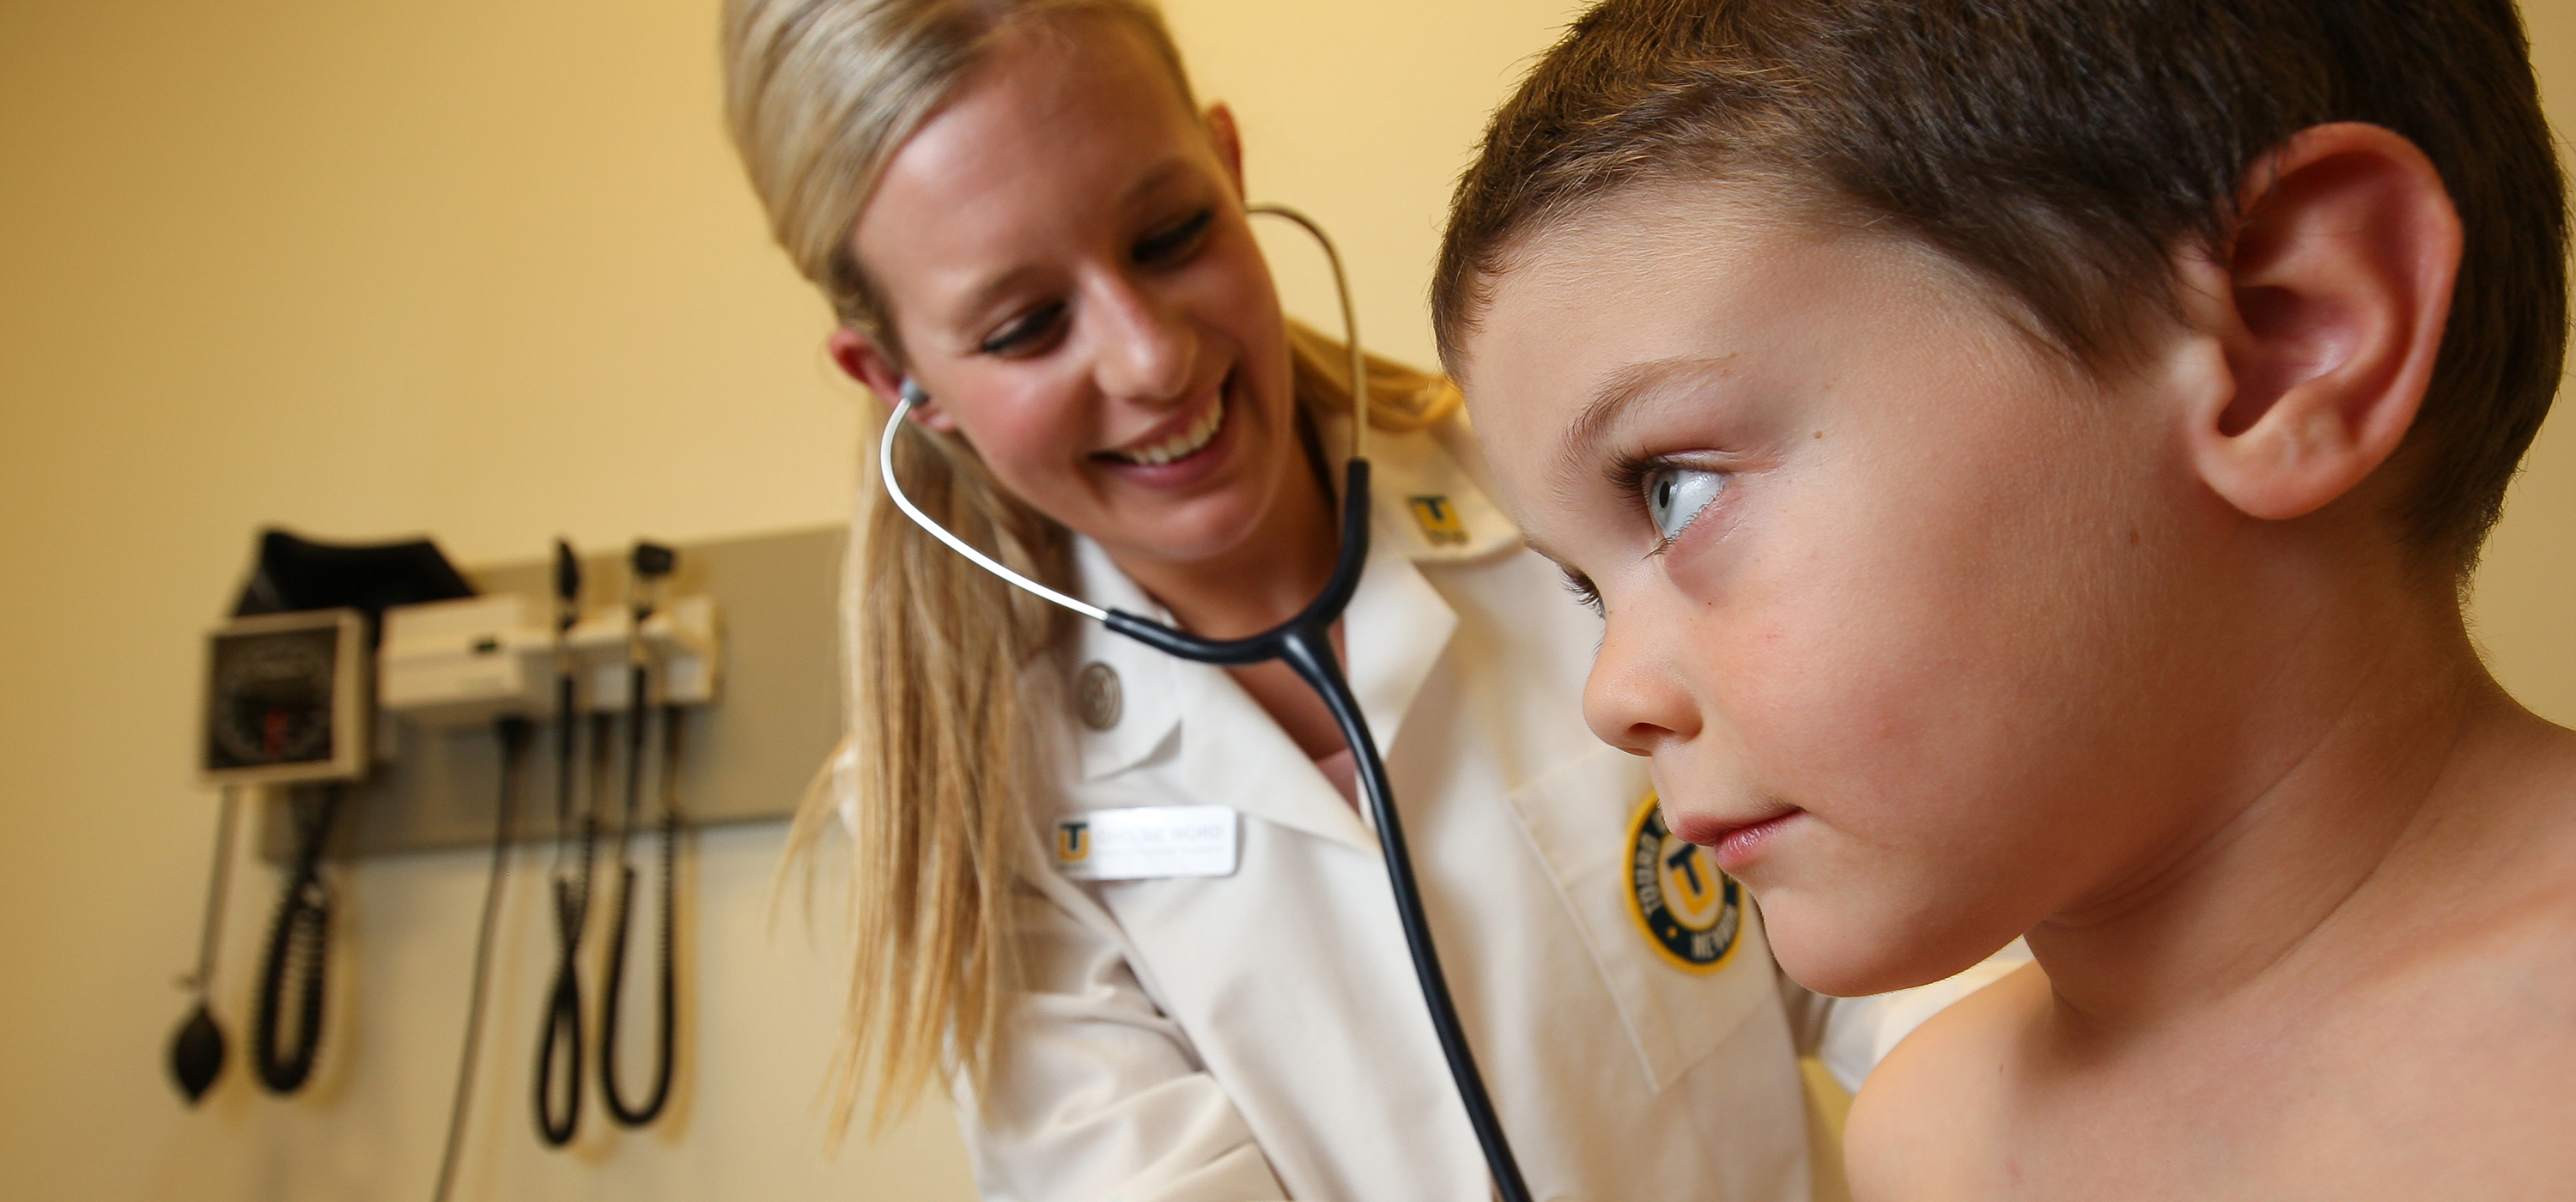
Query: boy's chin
point(1839, 953)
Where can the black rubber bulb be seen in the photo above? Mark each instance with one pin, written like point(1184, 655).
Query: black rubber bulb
point(197, 1053)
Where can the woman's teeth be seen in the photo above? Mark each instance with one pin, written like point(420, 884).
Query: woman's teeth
point(1181, 445)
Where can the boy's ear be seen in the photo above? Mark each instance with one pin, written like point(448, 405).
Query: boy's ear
point(870, 365)
point(2330, 313)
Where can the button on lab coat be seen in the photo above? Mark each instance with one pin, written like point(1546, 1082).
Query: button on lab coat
point(1260, 1035)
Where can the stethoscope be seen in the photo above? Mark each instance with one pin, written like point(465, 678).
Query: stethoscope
point(1305, 644)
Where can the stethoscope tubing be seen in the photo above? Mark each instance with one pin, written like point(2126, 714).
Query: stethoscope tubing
point(1305, 644)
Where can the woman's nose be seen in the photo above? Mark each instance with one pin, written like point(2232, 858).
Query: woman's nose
point(1634, 700)
point(1146, 348)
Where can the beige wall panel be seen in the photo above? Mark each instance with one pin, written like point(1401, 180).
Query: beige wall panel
point(2523, 611)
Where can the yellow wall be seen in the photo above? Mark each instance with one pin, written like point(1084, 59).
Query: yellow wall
point(2526, 587)
point(485, 270)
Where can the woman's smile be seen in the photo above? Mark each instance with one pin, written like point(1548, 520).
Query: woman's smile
point(1093, 315)
point(1179, 449)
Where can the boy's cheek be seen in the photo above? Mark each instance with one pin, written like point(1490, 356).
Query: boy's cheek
point(1883, 882)
point(1854, 939)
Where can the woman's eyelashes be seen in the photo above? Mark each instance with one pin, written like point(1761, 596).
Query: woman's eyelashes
point(1174, 242)
point(1036, 329)
point(1026, 333)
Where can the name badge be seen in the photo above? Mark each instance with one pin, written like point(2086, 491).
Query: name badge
point(1149, 842)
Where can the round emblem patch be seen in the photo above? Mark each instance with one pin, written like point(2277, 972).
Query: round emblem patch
point(1689, 910)
point(1096, 696)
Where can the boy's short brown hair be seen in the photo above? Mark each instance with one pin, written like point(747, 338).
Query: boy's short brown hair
point(2062, 150)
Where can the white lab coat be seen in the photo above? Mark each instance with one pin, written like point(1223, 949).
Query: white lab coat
point(1261, 1036)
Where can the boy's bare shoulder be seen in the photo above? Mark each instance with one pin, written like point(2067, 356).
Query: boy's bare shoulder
point(2421, 1054)
point(1928, 1111)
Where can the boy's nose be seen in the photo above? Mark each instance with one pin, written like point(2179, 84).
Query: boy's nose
point(1146, 347)
point(1633, 700)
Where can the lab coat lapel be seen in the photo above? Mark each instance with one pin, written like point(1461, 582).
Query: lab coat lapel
point(1395, 630)
point(1426, 506)
point(1397, 627)
point(1233, 754)
point(1195, 720)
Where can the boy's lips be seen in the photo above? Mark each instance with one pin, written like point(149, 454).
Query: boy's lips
point(1734, 840)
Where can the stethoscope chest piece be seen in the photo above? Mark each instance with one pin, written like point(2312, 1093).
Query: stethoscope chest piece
point(1096, 696)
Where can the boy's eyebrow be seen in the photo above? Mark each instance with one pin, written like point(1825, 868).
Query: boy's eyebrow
point(1592, 423)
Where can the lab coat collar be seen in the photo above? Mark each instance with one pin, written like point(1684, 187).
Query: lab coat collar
point(1394, 632)
point(1230, 752)
point(1428, 491)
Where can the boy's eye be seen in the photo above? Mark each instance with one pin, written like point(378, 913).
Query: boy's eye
point(1675, 495)
point(1024, 333)
point(1174, 241)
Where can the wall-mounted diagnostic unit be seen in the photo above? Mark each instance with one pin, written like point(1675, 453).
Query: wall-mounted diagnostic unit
point(374, 699)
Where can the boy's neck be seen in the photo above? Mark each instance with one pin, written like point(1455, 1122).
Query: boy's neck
point(2345, 821)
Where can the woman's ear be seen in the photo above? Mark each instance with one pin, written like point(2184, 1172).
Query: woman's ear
point(1229, 143)
point(870, 365)
point(2330, 312)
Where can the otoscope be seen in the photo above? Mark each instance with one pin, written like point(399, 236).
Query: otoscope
point(561, 1040)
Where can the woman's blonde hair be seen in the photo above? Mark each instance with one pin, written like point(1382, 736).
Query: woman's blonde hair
point(942, 742)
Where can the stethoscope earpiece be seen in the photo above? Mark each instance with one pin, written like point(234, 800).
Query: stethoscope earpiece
point(911, 394)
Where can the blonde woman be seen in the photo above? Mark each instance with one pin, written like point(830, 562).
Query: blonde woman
point(1020, 207)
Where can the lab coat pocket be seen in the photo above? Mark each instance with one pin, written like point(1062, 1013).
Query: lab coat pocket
point(1679, 943)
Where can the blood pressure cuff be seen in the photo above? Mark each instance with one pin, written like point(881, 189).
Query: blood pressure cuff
point(295, 574)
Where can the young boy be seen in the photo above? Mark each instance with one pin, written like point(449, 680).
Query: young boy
point(2028, 453)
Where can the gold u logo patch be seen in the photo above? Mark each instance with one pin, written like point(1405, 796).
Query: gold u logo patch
point(1072, 841)
point(1692, 913)
point(1439, 520)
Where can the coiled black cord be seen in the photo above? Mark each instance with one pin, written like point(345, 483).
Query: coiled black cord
point(298, 943)
point(612, 988)
point(559, 1106)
